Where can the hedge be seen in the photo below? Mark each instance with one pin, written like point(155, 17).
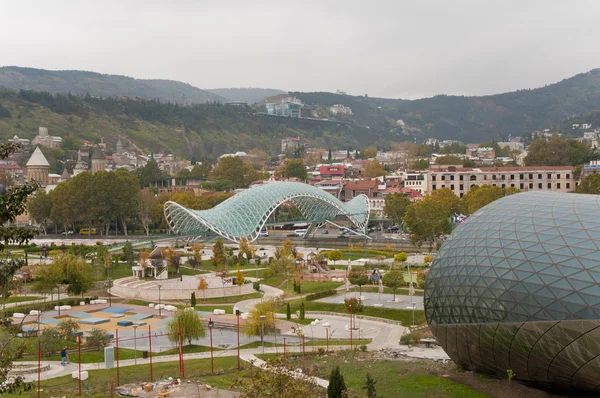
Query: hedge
point(323, 294)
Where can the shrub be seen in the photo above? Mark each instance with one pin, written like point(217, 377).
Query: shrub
point(98, 338)
point(319, 295)
point(256, 286)
point(428, 259)
point(51, 340)
point(337, 385)
point(288, 312)
point(363, 348)
point(357, 304)
point(67, 327)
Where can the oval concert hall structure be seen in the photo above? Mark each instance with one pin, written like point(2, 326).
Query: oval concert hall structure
point(517, 287)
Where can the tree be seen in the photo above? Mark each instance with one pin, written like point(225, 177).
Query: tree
point(193, 299)
point(150, 172)
point(13, 202)
point(302, 312)
point(67, 269)
point(98, 338)
point(393, 279)
point(239, 278)
point(189, 324)
point(295, 168)
point(145, 202)
point(218, 257)
point(202, 285)
point(67, 328)
point(479, 196)
point(421, 278)
point(448, 198)
point(400, 257)
point(253, 325)
point(395, 207)
point(449, 160)
point(334, 255)
point(420, 164)
point(427, 220)
point(231, 168)
point(128, 253)
point(246, 248)
point(590, 184)
point(558, 151)
point(288, 312)
point(39, 207)
point(374, 169)
point(370, 386)
point(358, 276)
point(369, 152)
point(329, 157)
point(337, 385)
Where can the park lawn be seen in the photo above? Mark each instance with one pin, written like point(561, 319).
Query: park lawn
point(274, 280)
point(393, 378)
point(211, 307)
point(357, 256)
point(121, 270)
point(226, 299)
point(314, 287)
point(99, 382)
point(20, 299)
point(404, 316)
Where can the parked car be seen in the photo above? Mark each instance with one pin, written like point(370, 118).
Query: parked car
point(326, 232)
point(66, 233)
point(263, 232)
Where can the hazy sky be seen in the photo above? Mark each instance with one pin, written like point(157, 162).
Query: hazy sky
point(387, 48)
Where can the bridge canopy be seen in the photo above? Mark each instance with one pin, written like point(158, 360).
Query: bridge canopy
point(245, 214)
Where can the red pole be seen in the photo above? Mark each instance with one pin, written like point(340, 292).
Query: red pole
point(117, 355)
point(79, 360)
point(350, 326)
point(212, 360)
point(39, 365)
point(327, 338)
point(181, 369)
point(238, 332)
point(150, 350)
point(284, 348)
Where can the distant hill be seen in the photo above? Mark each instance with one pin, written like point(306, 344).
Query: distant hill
point(249, 95)
point(475, 119)
point(96, 84)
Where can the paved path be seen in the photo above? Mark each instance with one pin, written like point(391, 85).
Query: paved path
point(270, 292)
point(47, 299)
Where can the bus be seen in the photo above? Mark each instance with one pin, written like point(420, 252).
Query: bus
point(88, 231)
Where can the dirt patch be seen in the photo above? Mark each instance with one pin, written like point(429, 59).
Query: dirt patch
point(173, 388)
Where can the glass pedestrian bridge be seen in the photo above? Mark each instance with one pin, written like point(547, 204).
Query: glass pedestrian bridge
point(245, 214)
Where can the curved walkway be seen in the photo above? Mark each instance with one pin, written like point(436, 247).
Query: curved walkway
point(269, 292)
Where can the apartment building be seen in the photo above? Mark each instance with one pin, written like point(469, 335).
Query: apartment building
point(532, 178)
point(416, 180)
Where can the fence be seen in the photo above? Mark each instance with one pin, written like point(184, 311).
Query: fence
point(147, 354)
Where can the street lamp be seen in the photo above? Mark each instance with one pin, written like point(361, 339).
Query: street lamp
point(159, 306)
point(135, 344)
point(211, 324)
point(109, 295)
point(262, 332)
point(237, 315)
point(58, 298)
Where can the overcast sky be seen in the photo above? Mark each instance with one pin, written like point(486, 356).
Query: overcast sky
point(386, 48)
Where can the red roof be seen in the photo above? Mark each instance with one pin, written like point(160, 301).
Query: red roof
point(361, 185)
point(332, 170)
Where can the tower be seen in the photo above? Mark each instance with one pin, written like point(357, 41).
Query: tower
point(119, 147)
point(37, 167)
point(80, 166)
point(98, 160)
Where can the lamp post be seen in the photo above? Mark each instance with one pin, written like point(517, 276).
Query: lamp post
point(262, 332)
point(237, 314)
point(58, 298)
point(135, 344)
point(159, 305)
point(109, 296)
point(211, 324)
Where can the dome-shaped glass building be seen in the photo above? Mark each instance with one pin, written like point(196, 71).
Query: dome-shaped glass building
point(517, 287)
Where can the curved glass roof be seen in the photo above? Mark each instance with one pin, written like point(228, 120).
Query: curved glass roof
point(245, 214)
point(532, 256)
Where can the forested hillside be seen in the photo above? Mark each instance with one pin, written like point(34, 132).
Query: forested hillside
point(249, 95)
point(96, 84)
point(478, 119)
point(201, 130)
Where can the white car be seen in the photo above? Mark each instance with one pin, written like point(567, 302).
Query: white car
point(66, 233)
point(263, 232)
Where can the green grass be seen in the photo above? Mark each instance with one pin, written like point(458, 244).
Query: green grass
point(314, 287)
point(405, 316)
point(274, 281)
point(226, 299)
point(124, 353)
point(99, 381)
point(211, 308)
point(20, 299)
point(122, 270)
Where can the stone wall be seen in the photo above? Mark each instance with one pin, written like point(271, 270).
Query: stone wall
point(174, 293)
